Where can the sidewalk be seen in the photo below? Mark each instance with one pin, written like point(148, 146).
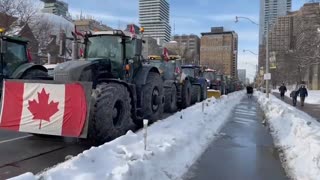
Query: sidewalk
point(312, 109)
point(243, 151)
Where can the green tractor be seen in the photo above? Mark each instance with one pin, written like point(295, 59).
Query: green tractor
point(125, 91)
point(177, 87)
point(15, 61)
point(199, 83)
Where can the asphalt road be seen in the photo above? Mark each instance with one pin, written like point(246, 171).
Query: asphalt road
point(244, 150)
point(21, 152)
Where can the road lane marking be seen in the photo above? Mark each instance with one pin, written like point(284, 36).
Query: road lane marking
point(14, 139)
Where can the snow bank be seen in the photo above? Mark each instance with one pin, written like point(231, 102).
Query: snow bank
point(297, 135)
point(174, 144)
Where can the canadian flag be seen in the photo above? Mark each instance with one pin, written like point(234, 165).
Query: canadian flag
point(166, 54)
point(41, 108)
point(132, 31)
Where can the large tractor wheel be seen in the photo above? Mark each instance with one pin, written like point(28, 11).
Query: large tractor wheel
point(204, 92)
point(196, 94)
point(170, 95)
point(35, 74)
point(111, 113)
point(153, 97)
point(186, 94)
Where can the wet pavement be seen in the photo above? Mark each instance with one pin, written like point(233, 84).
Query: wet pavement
point(244, 150)
point(311, 109)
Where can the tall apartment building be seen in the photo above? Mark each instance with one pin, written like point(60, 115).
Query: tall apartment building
point(192, 43)
point(56, 7)
point(242, 75)
point(219, 51)
point(154, 16)
point(269, 11)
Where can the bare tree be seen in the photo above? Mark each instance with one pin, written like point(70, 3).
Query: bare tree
point(24, 10)
point(293, 65)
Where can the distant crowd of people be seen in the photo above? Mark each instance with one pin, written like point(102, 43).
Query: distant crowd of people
point(300, 91)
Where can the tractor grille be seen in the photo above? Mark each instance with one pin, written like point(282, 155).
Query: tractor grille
point(62, 76)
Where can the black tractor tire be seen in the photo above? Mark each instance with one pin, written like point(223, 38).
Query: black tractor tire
point(35, 74)
point(111, 113)
point(170, 100)
point(204, 92)
point(153, 97)
point(196, 94)
point(186, 94)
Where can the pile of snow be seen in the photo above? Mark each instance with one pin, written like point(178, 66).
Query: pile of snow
point(174, 144)
point(296, 134)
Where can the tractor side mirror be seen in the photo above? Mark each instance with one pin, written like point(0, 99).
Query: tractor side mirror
point(3, 46)
point(138, 47)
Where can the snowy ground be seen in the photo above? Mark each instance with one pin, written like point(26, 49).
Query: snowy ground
point(296, 134)
point(313, 95)
point(174, 144)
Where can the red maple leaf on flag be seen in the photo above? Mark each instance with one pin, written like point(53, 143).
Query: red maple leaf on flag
point(43, 110)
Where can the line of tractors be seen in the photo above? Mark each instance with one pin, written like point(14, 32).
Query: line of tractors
point(126, 88)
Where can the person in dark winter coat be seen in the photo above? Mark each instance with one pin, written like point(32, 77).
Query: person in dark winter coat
point(249, 91)
point(294, 95)
point(282, 90)
point(303, 93)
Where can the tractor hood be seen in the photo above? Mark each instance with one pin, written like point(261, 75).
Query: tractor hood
point(81, 70)
point(71, 70)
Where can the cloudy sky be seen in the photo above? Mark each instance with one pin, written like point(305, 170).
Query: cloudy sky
point(189, 16)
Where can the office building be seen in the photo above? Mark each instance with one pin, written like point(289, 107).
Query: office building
point(269, 11)
point(242, 76)
point(154, 17)
point(192, 44)
point(219, 51)
point(56, 7)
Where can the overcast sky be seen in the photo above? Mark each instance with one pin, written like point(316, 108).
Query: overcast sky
point(188, 16)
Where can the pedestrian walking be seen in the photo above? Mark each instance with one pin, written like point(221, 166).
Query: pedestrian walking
point(282, 90)
point(294, 95)
point(303, 92)
point(249, 91)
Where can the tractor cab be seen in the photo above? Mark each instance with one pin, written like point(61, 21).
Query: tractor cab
point(107, 55)
point(193, 71)
point(211, 77)
point(13, 54)
point(117, 52)
point(169, 69)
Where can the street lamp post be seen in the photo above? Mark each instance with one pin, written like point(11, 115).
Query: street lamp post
point(267, 61)
point(245, 50)
point(267, 50)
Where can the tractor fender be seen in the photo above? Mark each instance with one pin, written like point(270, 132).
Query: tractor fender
point(168, 83)
point(141, 76)
point(19, 72)
point(133, 94)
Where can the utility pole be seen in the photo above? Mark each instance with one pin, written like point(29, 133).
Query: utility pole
point(267, 61)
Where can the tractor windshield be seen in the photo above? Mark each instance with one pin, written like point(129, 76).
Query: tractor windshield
point(16, 54)
point(188, 71)
point(219, 77)
point(209, 75)
point(108, 47)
